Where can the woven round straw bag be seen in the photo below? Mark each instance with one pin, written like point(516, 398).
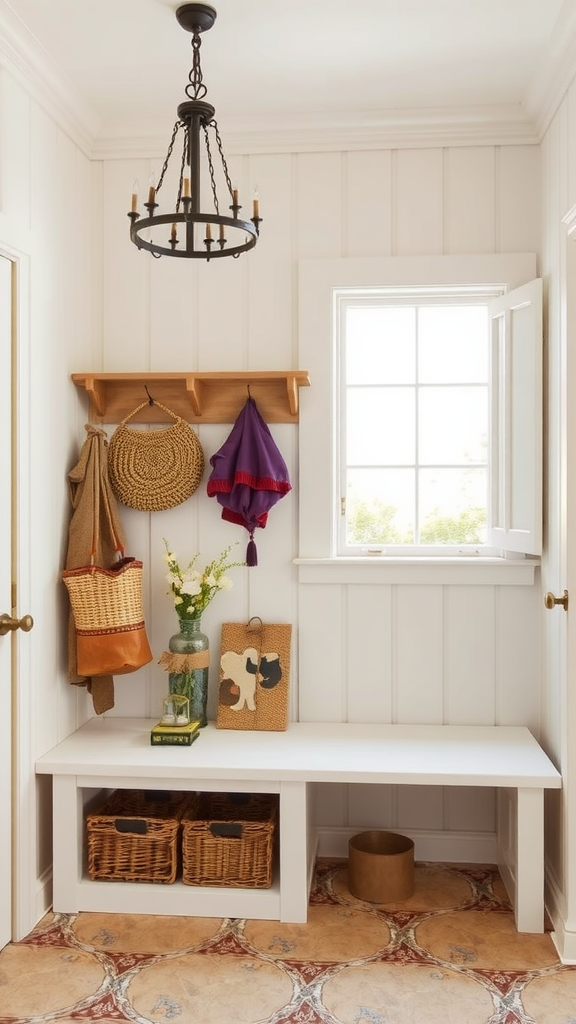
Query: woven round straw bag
point(152, 470)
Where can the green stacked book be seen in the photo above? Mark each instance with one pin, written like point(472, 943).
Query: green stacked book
point(175, 735)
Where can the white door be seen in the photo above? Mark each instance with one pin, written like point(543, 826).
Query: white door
point(6, 603)
point(560, 627)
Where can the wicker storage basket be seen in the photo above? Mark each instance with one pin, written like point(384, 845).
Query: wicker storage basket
point(133, 836)
point(229, 839)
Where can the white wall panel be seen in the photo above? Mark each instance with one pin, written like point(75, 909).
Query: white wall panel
point(419, 807)
point(272, 341)
point(60, 324)
point(469, 630)
point(172, 328)
point(418, 655)
point(470, 216)
point(518, 199)
point(173, 313)
point(418, 202)
point(471, 809)
point(368, 199)
point(53, 320)
point(67, 268)
point(318, 214)
point(459, 655)
point(371, 806)
point(331, 804)
point(321, 626)
point(568, 112)
point(223, 314)
point(518, 646)
point(15, 151)
point(369, 654)
point(126, 274)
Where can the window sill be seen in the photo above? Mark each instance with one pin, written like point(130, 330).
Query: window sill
point(459, 571)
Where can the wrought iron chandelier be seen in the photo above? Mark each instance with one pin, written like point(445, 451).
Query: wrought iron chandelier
point(187, 231)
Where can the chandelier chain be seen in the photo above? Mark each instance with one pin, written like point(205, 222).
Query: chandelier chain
point(222, 157)
point(196, 90)
point(177, 126)
point(211, 169)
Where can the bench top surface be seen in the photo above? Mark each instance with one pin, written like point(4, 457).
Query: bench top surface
point(454, 755)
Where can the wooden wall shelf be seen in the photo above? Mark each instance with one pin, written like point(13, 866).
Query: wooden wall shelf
point(196, 397)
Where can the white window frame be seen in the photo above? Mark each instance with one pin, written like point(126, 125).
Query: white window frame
point(344, 298)
point(319, 279)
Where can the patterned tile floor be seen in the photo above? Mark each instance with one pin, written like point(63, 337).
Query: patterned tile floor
point(449, 954)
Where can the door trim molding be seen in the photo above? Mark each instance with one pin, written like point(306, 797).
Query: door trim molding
point(24, 828)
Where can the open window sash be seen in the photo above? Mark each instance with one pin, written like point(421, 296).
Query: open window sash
point(516, 420)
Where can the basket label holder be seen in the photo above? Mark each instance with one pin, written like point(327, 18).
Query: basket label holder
point(136, 826)
point(226, 829)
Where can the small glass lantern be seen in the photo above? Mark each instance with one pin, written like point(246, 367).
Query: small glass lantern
point(175, 710)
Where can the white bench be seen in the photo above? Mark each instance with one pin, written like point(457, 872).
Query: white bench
point(116, 753)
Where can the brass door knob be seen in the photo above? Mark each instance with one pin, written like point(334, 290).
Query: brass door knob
point(8, 624)
point(551, 601)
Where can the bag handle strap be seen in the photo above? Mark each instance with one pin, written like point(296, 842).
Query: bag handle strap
point(142, 406)
point(100, 501)
point(95, 463)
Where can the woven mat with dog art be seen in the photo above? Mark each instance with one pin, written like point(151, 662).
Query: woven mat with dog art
point(254, 675)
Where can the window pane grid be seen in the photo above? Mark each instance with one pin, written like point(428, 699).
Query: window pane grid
point(415, 424)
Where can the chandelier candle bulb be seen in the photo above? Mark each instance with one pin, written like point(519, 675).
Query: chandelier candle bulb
point(134, 204)
point(186, 187)
point(209, 231)
point(173, 235)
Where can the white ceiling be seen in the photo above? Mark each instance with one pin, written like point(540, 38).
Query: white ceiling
point(298, 65)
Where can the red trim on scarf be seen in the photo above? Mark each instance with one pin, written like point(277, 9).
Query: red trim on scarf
point(235, 517)
point(257, 483)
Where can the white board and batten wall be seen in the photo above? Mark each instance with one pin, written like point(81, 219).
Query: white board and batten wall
point(422, 651)
point(402, 652)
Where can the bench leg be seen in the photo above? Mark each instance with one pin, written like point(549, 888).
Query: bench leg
point(529, 896)
point(294, 876)
point(67, 844)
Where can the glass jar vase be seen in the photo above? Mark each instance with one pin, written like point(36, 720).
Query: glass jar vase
point(189, 669)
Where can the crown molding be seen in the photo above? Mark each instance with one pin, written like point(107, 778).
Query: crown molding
point(473, 126)
point(23, 57)
point(555, 74)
